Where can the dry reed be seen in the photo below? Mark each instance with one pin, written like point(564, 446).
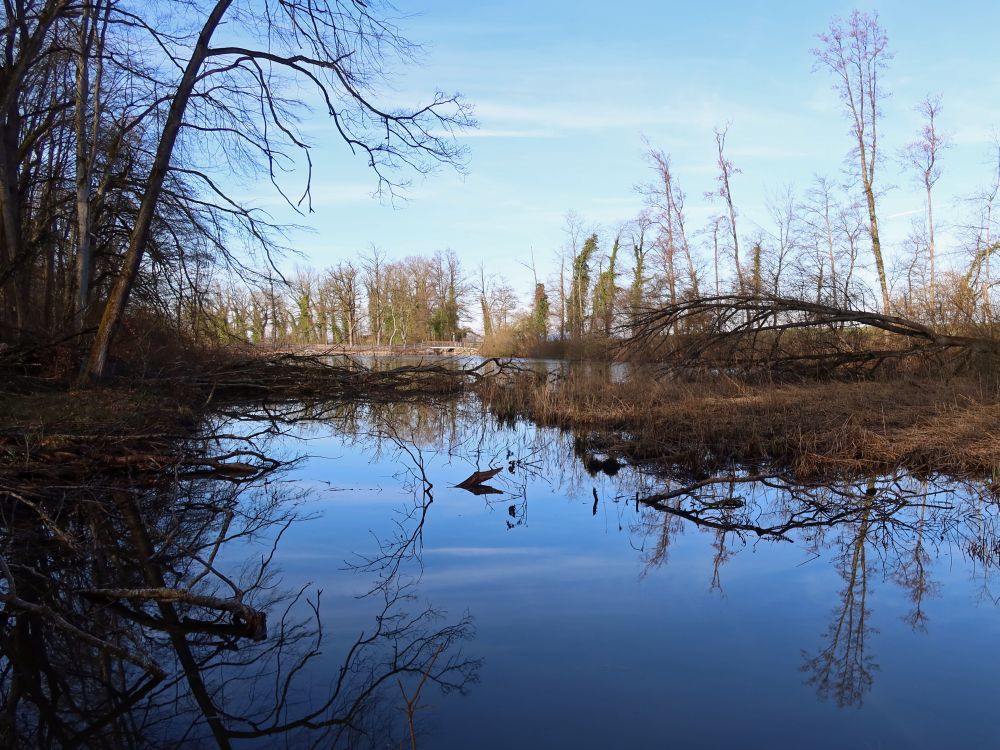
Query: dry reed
point(819, 428)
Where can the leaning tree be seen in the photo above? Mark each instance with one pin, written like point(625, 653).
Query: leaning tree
point(124, 125)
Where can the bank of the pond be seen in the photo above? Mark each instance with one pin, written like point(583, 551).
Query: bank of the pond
point(143, 425)
point(926, 425)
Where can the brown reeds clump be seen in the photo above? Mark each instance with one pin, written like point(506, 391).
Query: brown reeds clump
point(813, 428)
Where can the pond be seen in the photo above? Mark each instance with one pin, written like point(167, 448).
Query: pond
point(570, 600)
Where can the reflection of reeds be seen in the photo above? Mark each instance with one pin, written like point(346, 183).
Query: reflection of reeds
point(815, 428)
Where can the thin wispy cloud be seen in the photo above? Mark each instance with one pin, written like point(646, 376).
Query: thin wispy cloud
point(901, 214)
point(700, 113)
point(498, 133)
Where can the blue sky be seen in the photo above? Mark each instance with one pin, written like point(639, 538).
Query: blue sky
point(565, 92)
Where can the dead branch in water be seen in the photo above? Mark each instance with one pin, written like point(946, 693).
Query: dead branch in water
point(478, 478)
point(754, 335)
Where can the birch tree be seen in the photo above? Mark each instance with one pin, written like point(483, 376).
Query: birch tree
point(923, 156)
point(724, 191)
point(856, 53)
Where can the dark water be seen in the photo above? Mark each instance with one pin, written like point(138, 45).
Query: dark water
point(579, 602)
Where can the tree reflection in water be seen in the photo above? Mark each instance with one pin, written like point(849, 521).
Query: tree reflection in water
point(890, 524)
point(126, 623)
point(890, 527)
point(887, 527)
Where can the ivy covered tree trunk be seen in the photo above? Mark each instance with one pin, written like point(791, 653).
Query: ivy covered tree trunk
point(580, 287)
point(540, 313)
point(605, 293)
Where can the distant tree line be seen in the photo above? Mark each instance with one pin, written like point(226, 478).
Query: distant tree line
point(371, 300)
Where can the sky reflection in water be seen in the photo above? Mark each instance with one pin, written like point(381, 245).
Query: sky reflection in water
point(703, 622)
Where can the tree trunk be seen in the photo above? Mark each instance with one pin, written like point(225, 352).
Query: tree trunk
point(85, 150)
point(118, 298)
point(876, 245)
point(930, 251)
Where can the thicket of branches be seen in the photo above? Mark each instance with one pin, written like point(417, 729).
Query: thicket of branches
point(751, 335)
point(124, 125)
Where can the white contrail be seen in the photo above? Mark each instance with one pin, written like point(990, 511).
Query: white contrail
point(905, 213)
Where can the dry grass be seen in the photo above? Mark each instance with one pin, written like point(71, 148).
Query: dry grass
point(814, 429)
point(83, 435)
point(511, 343)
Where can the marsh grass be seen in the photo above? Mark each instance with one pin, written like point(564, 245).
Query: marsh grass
point(816, 428)
point(512, 343)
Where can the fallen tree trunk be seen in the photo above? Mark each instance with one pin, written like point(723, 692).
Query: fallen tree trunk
point(753, 335)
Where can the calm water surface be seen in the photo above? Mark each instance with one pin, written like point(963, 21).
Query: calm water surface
point(608, 607)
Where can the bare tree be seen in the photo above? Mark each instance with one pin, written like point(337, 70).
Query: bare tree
point(787, 235)
point(665, 201)
point(637, 289)
point(984, 244)
point(856, 52)
point(373, 274)
point(497, 301)
point(726, 172)
point(345, 288)
point(340, 50)
point(851, 228)
point(923, 156)
point(819, 213)
point(88, 115)
point(717, 222)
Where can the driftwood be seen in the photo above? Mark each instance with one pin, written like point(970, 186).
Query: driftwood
point(478, 478)
point(745, 334)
